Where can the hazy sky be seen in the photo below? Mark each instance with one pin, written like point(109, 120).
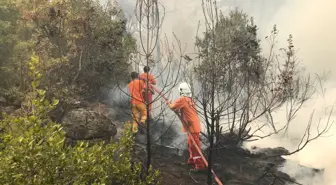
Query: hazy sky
point(310, 22)
point(313, 26)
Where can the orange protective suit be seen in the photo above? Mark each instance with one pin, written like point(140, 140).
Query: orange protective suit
point(136, 88)
point(189, 114)
point(151, 80)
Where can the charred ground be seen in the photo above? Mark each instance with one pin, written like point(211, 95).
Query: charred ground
point(233, 165)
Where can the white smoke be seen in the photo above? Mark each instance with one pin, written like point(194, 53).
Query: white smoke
point(312, 24)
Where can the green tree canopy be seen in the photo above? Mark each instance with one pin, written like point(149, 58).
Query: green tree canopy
point(82, 45)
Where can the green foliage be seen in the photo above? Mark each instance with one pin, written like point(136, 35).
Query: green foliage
point(82, 46)
point(13, 47)
point(88, 48)
point(229, 51)
point(33, 152)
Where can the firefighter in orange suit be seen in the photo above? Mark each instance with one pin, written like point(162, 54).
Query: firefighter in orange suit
point(186, 106)
point(151, 80)
point(136, 88)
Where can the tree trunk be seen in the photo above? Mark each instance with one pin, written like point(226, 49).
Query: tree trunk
point(217, 128)
point(211, 140)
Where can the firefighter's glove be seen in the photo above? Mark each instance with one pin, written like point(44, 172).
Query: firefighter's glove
point(170, 105)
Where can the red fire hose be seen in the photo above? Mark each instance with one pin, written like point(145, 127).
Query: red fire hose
point(192, 138)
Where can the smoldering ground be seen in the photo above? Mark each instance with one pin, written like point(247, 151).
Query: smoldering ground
point(312, 24)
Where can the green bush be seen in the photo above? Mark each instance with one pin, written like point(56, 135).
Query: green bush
point(83, 50)
point(32, 151)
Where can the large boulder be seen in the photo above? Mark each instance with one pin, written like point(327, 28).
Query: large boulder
point(84, 124)
point(112, 114)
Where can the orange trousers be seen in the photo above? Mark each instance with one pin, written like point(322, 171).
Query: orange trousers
point(138, 112)
point(150, 99)
point(194, 157)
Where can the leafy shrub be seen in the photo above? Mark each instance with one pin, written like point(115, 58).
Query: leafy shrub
point(84, 46)
point(32, 151)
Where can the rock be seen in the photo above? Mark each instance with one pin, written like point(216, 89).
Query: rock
point(65, 105)
point(278, 151)
point(3, 101)
point(103, 109)
point(120, 130)
point(7, 110)
point(110, 113)
point(83, 124)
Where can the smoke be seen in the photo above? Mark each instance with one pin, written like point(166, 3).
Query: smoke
point(312, 24)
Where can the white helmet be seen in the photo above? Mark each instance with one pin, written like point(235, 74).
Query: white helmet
point(185, 89)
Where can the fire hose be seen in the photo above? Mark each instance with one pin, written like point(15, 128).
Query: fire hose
point(192, 138)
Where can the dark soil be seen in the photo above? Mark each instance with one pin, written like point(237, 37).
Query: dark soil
point(233, 165)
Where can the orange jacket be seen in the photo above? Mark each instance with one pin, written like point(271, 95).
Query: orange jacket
point(136, 89)
point(151, 78)
point(189, 114)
